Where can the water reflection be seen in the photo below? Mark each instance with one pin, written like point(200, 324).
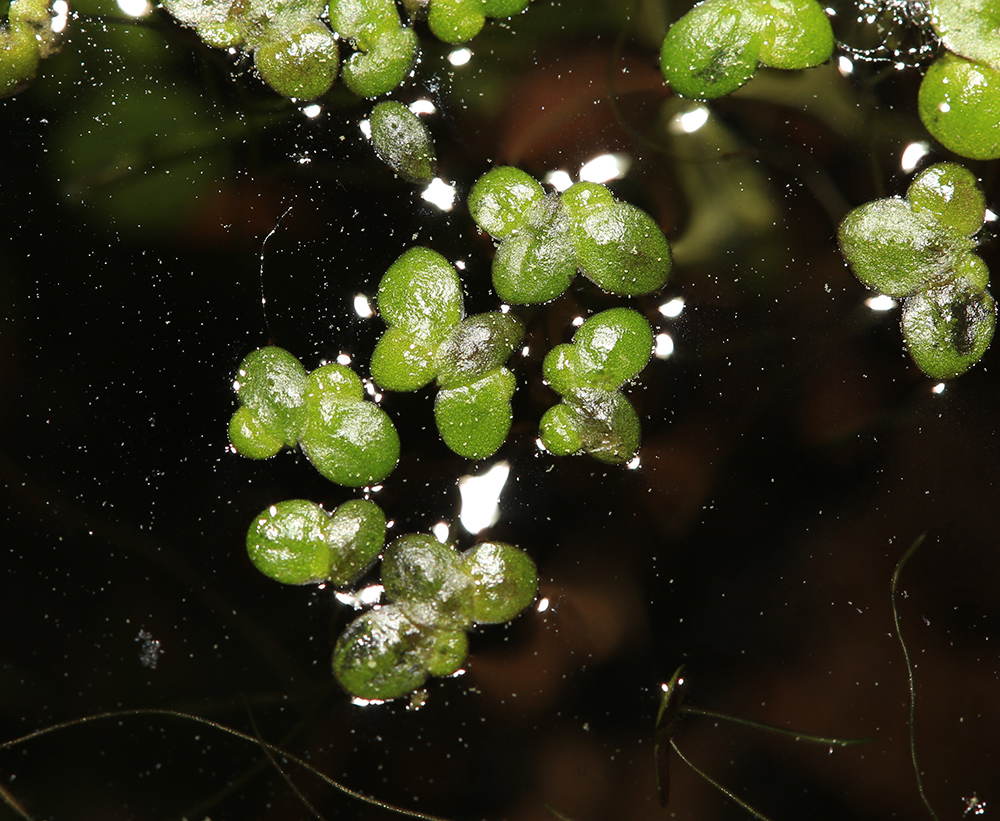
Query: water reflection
point(481, 497)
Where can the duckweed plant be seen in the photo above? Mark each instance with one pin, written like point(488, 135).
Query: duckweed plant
point(921, 248)
point(429, 337)
point(545, 239)
point(959, 96)
point(607, 351)
point(350, 441)
point(436, 595)
point(717, 46)
point(403, 142)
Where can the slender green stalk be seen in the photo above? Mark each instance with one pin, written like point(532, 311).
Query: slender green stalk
point(731, 796)
point(909, 672)
point(794, 734)
point(271, 748)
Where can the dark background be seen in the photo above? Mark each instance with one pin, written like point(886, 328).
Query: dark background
point(791, 453)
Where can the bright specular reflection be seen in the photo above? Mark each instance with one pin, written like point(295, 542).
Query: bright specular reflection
point(363, 307)
point(366, 128)
point(912, 155)
point(881, 303)
point(441, 532)
point(844, 65)
point(60, 11)
point(672, 308)
point(605, 167)
point(938, 388)
point(481, 497)
point(691, 121)
point(312, 111)
point(460, 56)
point(362, 598)
point(440, 194)
point(423, 107)
point(135, 8)
point(559, 179)
point(664, 346)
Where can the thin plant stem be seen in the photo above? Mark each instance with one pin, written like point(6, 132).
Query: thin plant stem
point(909, 672)
point(273, 748)
point(731, 796)
point(794, 734)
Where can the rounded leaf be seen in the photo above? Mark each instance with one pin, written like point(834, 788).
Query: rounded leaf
point(250, 437)
point(474, 419)
point(562, 370)
point(381, 655)
point(456, 21)
point(622, 250)
point(271, 383)
point(19, 56)
point(448, 651)
point(583, 198)
point(608, 424)
point(403, 142)
point(356, 536)
point(401, 363)
point(303, 66)
point(893, 249)
point(427, 580)
point(948, 329)
point(972, 271)
point(613, 347)
point(290, 542)
point(335, 380)
point(969, 29)
point(959, 104)
point(499, 199)
point(351, 442)
point(384, 66)
point(537, 262)
point(363, 21)
point(505, 579)
point(421, 293)
point(479, 344)
point(559, 431)
point(796, 34)
point(712, 50)
point(951, 193)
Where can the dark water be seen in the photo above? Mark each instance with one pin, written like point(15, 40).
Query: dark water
point(791, 453)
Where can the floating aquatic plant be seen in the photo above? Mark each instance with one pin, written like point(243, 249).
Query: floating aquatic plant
point(716, 47)
point(429, 337)
point(594, 417)
point(436, 595)
point(297, 542)
point(350, 441)
point(545, 239)
point(403, 142)
point(921, 248)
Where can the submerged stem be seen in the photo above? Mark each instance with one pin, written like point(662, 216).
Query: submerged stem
point(771, 728)
point(270, 748)
point(731, 796)
point(909, 672)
